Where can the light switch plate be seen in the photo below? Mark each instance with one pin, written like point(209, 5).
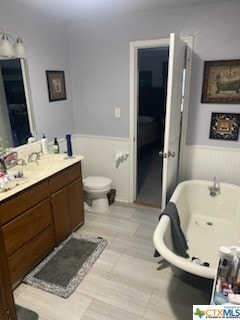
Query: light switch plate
point(117, 112)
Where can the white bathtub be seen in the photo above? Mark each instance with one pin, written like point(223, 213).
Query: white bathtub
point(207, 222)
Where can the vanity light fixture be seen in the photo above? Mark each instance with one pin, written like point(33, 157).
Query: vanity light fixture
point(19, 49)
point(7, 50)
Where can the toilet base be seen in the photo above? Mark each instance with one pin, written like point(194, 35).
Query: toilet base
point(100, 205)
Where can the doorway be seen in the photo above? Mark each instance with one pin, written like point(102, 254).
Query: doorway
point(152, 90)
point(180, 52)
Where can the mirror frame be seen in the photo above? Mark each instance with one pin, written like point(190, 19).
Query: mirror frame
point(28, 96)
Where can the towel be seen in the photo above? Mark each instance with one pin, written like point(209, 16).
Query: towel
point(179, 240)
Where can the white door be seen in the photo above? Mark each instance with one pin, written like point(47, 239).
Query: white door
point(173, 117)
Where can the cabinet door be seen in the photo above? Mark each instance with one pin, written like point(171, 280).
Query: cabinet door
point(61, 214)
point(75, 190)
point(7, 306)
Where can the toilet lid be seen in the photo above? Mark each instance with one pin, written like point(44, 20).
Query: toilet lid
point(96, 182)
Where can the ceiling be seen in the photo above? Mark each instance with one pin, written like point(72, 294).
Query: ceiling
point(70, 9)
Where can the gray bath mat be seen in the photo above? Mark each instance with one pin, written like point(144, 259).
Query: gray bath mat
point(25, 314)
point(62, 271)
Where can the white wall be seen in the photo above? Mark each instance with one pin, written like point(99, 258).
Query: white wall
point(47, 48)
point(203, 162)
point(97, 79)
point(99, 160)
point(100, 64)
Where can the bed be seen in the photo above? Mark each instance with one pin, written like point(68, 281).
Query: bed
point(148, 131)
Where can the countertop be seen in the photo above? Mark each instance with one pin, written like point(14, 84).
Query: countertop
point(31, 178)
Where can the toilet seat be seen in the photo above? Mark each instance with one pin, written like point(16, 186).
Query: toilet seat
point(96, 182)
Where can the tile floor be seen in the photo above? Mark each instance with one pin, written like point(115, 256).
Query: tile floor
point(126, 282)
point(149, 175)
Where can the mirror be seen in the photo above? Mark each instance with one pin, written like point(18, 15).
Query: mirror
point(16, 116)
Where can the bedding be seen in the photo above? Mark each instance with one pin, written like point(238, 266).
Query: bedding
point(148, 131)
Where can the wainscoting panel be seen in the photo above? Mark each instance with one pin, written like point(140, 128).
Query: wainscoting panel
point(99, 160)
point(199, 162)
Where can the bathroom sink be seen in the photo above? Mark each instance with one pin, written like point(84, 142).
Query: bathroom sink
point(37, 168)
point(46, 164)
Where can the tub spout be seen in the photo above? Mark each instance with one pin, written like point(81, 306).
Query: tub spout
point(215, 189)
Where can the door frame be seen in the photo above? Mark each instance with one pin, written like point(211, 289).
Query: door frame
point(133, 103)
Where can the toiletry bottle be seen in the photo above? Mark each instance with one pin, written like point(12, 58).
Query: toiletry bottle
point(221, 284)
point(44, 143)
point(225, 262)
point(55, 146)
point(236, 279)
point(69, 145)
point(31, 139)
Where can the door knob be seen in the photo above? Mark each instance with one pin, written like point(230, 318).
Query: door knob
point(163, 154)
point(166, 154)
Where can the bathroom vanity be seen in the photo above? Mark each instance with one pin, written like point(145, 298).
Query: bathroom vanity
point(40, 214)
point(66, 192)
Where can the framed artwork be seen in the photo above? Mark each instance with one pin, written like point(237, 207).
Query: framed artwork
point(225, 126)
point(221, 82)
point(56, 85)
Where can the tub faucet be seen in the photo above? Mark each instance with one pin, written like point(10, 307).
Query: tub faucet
point(215, 189)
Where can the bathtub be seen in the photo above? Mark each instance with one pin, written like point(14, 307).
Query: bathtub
point(207, 222)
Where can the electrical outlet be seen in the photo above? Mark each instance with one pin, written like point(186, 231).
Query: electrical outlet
point(117, 112)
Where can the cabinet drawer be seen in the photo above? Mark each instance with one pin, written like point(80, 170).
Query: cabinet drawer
point(26, 226)
point(23, 201)
point(24, 259)
point(63, 178)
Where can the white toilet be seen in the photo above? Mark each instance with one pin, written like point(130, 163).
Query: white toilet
point(96, 189)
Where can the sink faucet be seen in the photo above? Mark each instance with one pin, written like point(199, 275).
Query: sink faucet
point(37, 156)
point(215, 189)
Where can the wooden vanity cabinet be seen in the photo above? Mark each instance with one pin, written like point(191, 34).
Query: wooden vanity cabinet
point(67, 201)
point(7, 305)
point(76, 203)
point(27, 229)
point(39, 217)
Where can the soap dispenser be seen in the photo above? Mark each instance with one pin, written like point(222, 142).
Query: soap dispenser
point(55, 146)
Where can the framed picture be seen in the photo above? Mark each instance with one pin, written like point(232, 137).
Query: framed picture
point(225, 126)
point(56, 85)
point(221, 82)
